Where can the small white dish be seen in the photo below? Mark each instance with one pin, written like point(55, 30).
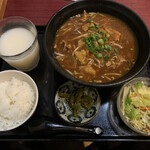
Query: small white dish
point(87, 111)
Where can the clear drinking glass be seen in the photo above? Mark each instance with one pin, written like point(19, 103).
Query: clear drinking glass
point(26, 57)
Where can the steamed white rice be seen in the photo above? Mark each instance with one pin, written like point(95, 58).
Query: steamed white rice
point(16, 101)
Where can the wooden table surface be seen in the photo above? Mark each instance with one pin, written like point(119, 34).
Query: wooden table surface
point(40, 11)
point(3, 4)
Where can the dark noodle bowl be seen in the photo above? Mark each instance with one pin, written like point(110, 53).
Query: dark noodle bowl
point(98, 43)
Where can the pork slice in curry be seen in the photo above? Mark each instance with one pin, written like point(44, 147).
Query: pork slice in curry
point(95, 47)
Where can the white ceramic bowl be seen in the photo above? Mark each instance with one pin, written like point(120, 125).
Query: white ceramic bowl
point(6, 76)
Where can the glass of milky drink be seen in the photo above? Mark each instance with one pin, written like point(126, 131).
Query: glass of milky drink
point(19, 46)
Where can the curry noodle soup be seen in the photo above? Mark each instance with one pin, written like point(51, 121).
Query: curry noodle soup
point(95, 47)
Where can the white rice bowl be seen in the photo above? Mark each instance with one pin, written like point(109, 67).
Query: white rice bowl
point(18, 99)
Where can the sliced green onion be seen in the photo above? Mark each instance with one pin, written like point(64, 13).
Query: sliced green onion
point(91, 48)
point(108, 47)
point(107, 35)
point(98, 48)
point(90, 20)
point(131, 49)
point(102, 46)
point(97, 26)
point(116, 51)
point(105, 50)
point(91, 26)
point(95, 52)
point(87, 40)
point(106, 57)
point(105, 39)
point(101, 41)
point(101, 32)
point(99, 55)
point(94, 37)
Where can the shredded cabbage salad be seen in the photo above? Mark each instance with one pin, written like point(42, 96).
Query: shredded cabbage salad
point(136, 106)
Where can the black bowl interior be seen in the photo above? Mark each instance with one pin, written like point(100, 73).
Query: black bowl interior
point(115, 9)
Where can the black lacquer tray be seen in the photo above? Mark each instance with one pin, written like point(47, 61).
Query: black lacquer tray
point(48, 80)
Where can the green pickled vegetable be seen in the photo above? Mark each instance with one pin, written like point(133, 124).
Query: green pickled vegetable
point(77, 99)
point(64, 95)
point(87, 102)
point(76, 109)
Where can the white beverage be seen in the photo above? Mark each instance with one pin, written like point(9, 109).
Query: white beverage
point(16, 41)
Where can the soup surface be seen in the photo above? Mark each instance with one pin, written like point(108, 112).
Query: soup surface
point(95, 47)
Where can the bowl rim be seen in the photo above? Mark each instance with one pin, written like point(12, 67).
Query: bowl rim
point(98, 85)
point(119, 101)
point(36, 93)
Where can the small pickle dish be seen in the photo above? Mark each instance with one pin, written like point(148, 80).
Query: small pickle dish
point(77, 104)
